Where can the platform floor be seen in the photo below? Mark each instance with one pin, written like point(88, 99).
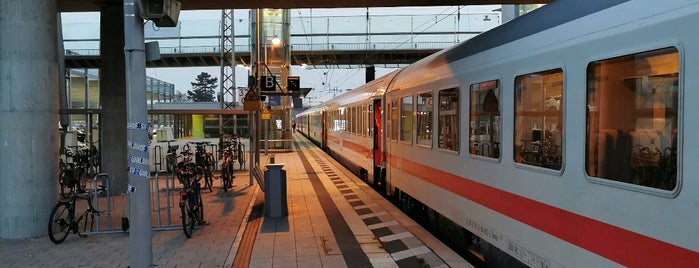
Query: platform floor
point(334, 220)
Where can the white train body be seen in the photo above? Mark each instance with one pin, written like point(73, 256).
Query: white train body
point(562, 211)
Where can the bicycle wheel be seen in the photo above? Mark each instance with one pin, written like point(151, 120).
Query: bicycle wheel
point(66, 188)
point(59, 222)
point(187, 220)
point(225, 176)
point(200, 211)
point(67, 180)
point(208, 180)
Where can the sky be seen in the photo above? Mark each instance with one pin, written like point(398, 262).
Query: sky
point(325, 82)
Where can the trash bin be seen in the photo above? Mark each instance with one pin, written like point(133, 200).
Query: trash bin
point(275, 191)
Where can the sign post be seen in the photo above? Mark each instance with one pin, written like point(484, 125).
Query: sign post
point(140, 233)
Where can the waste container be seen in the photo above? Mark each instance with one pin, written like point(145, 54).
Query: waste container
point(275, 191)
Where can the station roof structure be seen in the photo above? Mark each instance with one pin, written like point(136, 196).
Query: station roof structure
point(94, 5)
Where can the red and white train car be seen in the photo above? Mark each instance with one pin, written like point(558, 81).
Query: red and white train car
point(560, 139)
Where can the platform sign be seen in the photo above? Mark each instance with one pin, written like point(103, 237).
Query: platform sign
point(268, 83)
point(293, 83)
point(275, 101)
point(251, 102)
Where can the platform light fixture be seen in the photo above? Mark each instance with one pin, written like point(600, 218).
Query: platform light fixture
point(276, 41)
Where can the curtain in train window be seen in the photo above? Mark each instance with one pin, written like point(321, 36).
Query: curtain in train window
point(424, 118)
point(539, 119)
point(632, 118)
point(448, 135)
point(394, 119)
point(406, 118)
point(484, 121)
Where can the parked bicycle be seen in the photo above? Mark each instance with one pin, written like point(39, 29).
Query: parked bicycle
point(190, 203)
point(205, 160)
point(62, 219)
point(171, 158)
point(73, 169)
point(229, 157)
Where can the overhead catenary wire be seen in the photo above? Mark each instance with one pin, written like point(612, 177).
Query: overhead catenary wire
point(408, 38)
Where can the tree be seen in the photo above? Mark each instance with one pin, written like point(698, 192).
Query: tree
point(181, 97)
point(203, 88)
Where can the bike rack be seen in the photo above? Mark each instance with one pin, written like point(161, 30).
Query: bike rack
point(158, 157)
point(241, 156)
point(168, 202)
point(213, 148)
point(96, 199)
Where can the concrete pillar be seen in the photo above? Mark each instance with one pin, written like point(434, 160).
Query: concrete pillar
point(113, 95)
point(28, 116)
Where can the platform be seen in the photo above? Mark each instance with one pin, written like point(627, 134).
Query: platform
point(334, 220)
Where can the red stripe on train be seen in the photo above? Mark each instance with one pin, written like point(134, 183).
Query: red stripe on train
point(614, 243)
point(351, 146)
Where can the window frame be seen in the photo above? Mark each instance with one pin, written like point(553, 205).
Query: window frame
point(500, 109)
point(401, 108)
point(540, 169)
point(672, 193)
point(431, 119)
point(392, 104)
point(457, 127)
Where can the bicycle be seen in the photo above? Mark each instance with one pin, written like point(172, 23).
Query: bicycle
point(227, 165)
point(204, 160)
point(71, 173)
point(191, 203)
point(62, 220)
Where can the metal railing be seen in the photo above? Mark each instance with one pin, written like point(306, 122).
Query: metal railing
point(300, 47)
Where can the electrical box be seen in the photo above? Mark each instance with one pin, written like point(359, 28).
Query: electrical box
point(164, 13)
point(164, 134)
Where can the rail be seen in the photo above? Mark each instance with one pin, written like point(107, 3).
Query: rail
point(213, 49)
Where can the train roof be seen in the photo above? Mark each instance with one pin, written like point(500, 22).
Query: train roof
point(367, 91)
point(546, 17)
point(435, 66)
point(432, 68)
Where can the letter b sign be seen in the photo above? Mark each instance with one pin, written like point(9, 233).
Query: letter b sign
point(267, 83)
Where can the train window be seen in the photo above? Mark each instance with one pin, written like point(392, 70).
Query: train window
point(394, 119)
point(406, 119)
point(424, 118)
point(340, 122)
point(348, 120)
point(448, 119)
point(357, 120)
point(484, 119)
point(353, 120)
point(333, 119)
point(538, 119)
point(364, 121)
point(632, 119)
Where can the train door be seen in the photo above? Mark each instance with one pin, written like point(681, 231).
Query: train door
point(379, 170)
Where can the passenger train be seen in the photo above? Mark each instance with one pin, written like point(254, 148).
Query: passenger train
point(563, 138)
